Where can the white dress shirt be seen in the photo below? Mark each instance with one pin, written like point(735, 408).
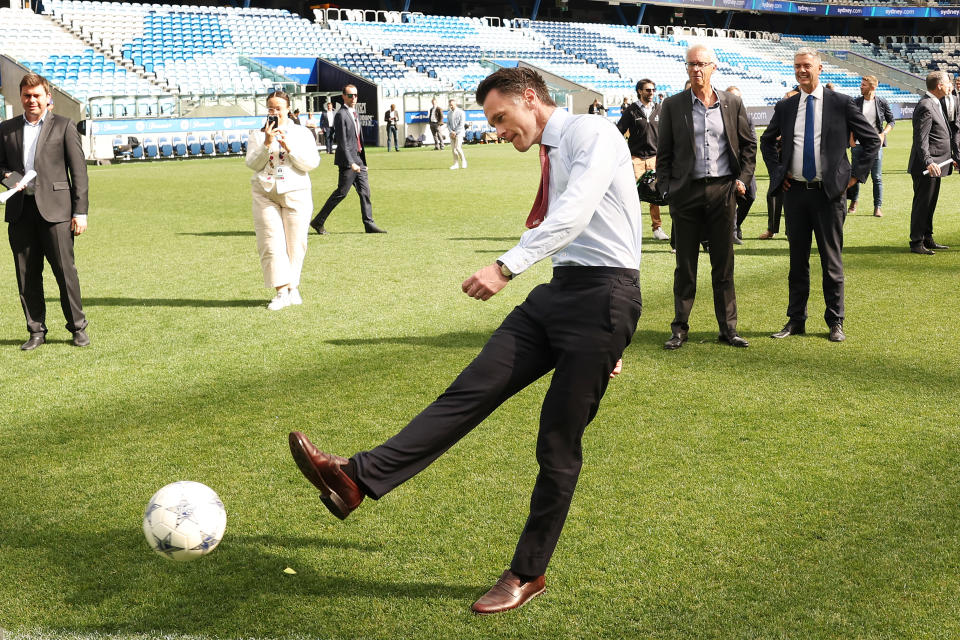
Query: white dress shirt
point(289, 172)
point(796, 162)
point(31, 133)
point(593, 215)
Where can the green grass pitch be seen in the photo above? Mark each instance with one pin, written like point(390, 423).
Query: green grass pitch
point(795, 489)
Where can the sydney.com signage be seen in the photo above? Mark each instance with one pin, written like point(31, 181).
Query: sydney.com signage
point(801, 8)
point(303, 70)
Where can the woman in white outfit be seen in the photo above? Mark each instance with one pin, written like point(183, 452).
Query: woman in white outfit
point(281, 154)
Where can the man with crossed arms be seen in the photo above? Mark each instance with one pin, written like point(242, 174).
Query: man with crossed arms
point(587, 219)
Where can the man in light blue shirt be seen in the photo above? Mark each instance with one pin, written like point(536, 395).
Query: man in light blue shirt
point(587, 220)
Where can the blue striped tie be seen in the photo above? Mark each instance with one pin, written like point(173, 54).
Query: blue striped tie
point(809, 155)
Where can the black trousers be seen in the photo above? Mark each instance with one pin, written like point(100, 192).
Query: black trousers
point(774, 209)
point(348, 178)
point(328, 137)
point(810, 212)
point(578, 324)
point(744, 204)
point(705, 212)
point(32, 239)
point(926, 191)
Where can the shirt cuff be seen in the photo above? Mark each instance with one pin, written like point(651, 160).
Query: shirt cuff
point(81, 218)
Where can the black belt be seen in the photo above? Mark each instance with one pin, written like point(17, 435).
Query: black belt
point(593, 272)
point(812, 184)
point(711, 180)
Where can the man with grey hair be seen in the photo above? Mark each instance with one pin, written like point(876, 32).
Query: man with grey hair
point(934, 146)
point(706, 154)
point(812, 171)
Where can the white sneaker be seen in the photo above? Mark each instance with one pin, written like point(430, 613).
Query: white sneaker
point(454, 167)
point(659, 234)
point(281, 300)
point(295, 297)
point(464, 165)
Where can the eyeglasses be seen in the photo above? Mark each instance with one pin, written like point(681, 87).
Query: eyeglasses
point(648, 90)
point(698, 65)
point(350, 95)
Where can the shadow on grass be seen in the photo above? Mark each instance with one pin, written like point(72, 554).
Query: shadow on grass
point(453, 340)
point(165, 302)
point(488, 239)
point(160, 594)
point(219, 234)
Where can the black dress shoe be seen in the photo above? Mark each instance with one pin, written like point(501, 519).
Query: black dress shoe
point(922, 250)
point(733, 340)
point(80, 339)
point(930, 243)
point(676, 341)
point(33, 342)
point(373, 228)
point(790, 329)
point(737, 240)
point(318, 227)
point(836, 333)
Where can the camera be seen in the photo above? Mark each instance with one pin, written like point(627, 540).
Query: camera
point(273, 120)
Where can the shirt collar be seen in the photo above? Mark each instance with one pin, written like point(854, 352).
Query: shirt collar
point(39, 122)
point(553, 128)
point(933, 96)
point(695, 99)
point(817, 93)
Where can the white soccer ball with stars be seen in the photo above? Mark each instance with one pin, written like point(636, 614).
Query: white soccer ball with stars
point(184, 520)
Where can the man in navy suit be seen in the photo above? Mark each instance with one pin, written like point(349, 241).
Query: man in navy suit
point(50, 210)
point(877, 112)
point(812, 171)
point(351, 158)
point(934, 143)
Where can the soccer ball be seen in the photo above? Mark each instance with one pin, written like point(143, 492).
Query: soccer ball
point(184, 520)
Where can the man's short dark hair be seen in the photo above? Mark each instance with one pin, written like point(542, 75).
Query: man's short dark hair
point(513, 81)
point(35, 80)
point(646, 81)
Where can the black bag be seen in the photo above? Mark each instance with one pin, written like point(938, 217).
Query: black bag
point(647, 188)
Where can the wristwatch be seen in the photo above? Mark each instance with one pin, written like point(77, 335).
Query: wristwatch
point(505, 270)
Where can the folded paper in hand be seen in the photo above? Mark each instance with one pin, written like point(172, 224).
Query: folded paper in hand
point(6, 195)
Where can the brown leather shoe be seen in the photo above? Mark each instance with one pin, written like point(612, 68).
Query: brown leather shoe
point(338, 492)
point(853, 207)
point(877, 213)
point(766, 235)
point(509, 593)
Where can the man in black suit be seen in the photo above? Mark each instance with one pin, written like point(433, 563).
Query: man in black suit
point(706, 155)
point(352, 161)
point(50, 210)
point(934, 143)
point(877, 112)
point(327, 118)
point(641, 119)
point(813, 172)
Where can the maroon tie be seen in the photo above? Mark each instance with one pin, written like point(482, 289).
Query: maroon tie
point(356, 123)
point(539, 210)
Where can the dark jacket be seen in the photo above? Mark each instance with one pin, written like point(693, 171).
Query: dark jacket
point(643, 131)
point(61, 186)
point(884, 114)
point(675, 151)
point(933, 140)
point(840, 118)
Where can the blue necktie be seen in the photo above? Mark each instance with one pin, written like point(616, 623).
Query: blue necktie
point(809, 155)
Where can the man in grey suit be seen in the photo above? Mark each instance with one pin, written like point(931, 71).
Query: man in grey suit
point(352, 162)
point(706, 154)
point(934, 143)
point(50, 209)
point(812, 171)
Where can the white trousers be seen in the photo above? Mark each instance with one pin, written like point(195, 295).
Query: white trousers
point(281, 222)
point(456, 144)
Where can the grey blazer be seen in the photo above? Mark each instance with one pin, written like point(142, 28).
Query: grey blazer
point(61, 187)
point(933, 141)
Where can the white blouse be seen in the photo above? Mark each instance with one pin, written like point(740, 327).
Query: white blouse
point(279, 169)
